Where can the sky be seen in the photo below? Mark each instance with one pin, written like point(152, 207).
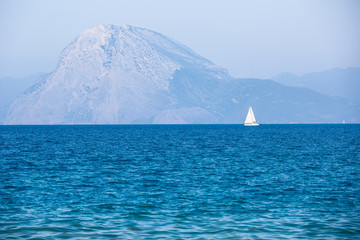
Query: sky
point(257, 38)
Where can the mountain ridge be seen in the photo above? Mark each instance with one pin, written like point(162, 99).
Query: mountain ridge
point(343, 82)
point(123, 74)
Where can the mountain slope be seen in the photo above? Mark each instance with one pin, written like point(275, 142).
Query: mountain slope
point(334, 82)
point(114, 75)
point(11, 88)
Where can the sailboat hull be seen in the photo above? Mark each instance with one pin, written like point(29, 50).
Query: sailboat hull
point(251, 124)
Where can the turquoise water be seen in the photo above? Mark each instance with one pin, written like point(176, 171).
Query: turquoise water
point(180, 181)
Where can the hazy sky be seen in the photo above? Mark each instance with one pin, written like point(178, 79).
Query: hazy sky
point(254, 38)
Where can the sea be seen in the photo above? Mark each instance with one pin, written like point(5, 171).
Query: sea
point(180, 182)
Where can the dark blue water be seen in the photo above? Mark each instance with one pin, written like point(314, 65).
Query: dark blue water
point(181, 181)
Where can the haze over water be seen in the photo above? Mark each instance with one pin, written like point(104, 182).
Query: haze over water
point(180, 181)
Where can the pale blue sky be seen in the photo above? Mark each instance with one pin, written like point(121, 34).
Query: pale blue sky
point(257, 38)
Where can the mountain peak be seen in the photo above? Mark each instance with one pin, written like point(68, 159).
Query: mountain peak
point(106, 30)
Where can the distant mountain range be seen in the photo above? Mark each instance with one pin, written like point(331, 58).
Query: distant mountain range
point(11, 88)
point(334, 82)
point(125, 75)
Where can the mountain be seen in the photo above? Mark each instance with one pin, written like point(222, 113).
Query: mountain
point(334, 82)
point(11, 88)
point(123, 74)
point(112, 74)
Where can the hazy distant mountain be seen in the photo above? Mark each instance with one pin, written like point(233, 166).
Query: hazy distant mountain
point(11, 88)
point(276, 103)
point(334, 82)
point(112, 74)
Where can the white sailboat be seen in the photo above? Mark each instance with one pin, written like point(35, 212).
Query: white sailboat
point(250, 119)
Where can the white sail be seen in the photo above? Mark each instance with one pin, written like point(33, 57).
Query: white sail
point(250, 119)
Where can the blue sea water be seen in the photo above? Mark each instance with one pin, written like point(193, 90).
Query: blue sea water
point(180, 182)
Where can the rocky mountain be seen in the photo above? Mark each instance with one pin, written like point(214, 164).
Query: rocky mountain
point(123, 74)
point(343, 82)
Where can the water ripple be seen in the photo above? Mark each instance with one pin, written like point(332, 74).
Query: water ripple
point(181, 181)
